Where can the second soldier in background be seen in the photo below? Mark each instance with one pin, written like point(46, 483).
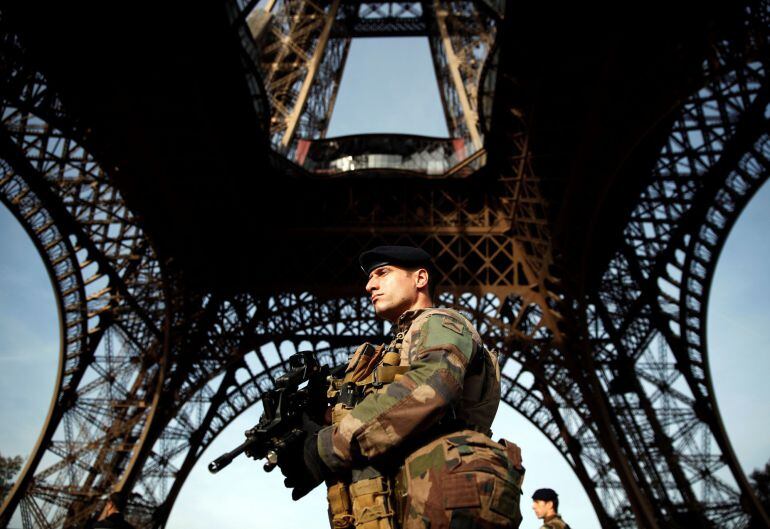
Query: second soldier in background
point(545, 503)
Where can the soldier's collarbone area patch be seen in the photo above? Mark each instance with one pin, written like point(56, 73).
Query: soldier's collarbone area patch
point(452, 324)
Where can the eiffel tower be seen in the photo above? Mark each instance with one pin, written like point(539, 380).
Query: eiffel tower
point(171, 163)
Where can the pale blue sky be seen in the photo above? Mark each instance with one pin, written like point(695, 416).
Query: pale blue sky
point(389, 87)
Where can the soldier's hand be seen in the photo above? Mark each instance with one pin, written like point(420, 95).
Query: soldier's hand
point(301, 464)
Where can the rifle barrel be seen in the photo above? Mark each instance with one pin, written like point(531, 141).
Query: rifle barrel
point(227, 458)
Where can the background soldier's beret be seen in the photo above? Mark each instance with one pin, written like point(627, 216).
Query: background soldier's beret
point(405, 256)
point(545, 495)
point(118, 499)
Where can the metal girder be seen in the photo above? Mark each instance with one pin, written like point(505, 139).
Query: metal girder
point(304, 45)
point(459, 49)
point(301, 66)
point(313, 65)
point(110, 305)
point(651, 305)
point(381, 19)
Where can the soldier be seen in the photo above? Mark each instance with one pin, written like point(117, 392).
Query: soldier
point(112, 515)
point(546, 506)
point(409, 442)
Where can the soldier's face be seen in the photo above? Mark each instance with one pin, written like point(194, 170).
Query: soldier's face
point(542, 508)
point(393, 291)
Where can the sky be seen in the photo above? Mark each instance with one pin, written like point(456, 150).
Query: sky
point(389, 86)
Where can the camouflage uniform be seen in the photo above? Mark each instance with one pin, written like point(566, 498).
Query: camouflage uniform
point(554, 522)
point(429, 427)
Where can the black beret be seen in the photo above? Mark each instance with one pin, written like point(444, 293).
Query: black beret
point(118, 499)
point(406, 256)
point(545, 495)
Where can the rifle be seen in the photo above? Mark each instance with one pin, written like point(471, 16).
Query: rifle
point(300, 391)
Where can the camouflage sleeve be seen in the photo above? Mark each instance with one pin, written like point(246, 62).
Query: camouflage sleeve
point(555, 523)
point(441, 349)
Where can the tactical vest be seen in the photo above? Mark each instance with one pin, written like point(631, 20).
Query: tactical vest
point(367, 499)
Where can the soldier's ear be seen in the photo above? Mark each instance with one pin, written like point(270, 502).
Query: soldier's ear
point(421, 278)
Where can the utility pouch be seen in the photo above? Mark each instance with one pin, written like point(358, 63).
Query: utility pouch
point(363, 362)
point(387, 374)
point(347, 392)
point(367, 503)
point(373, 505)
point(340, 507)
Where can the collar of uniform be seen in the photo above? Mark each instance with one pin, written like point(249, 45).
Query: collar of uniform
point(549, 518)
point(406, 319)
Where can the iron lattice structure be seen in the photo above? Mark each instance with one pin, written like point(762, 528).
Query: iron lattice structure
point(610, 364)
point(304, 45)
